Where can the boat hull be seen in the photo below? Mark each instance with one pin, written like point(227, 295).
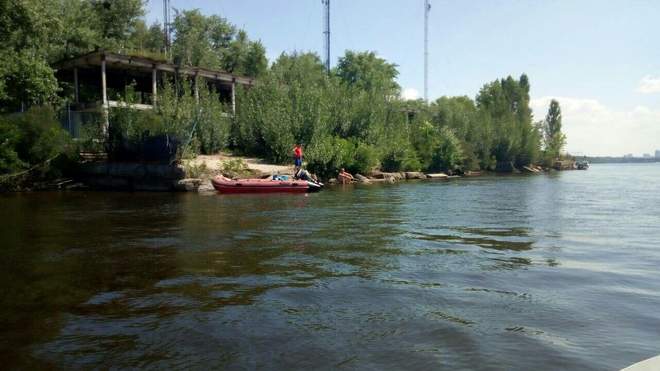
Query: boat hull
point(225, 185)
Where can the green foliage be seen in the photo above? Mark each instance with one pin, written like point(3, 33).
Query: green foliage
point(236, 165)
point(196, 170)
point(10, 136)
point(554, 139)
point(198, 124)
point(30, 139)
point(26, 80)
point(116, 19)
point(364, 158)
point(400, 157)
point(448, 155)
point(213, 42)
point(368, 72)
point(505, 103)
point(352, 119)
point(327, 154)
point(34, 34)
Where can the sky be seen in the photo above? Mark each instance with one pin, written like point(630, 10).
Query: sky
point(599, 59)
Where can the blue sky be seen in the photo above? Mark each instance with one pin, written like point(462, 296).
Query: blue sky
point(600, 59)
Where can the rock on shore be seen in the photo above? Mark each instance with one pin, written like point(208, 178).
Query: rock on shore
point(362, 179)
point(437, 176)
point(415, 175)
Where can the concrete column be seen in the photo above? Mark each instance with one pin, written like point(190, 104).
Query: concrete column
point(196, 89)
point(76, 87)
point(154, 87)
point(106, 115)
point(233, 96)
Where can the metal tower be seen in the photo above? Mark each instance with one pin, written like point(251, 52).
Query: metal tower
point(427, 9)
point(326, 33)
point(166, 25)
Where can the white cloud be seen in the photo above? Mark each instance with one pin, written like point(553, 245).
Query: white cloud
point(595, 129)
point(649, 84)
point(409, 94)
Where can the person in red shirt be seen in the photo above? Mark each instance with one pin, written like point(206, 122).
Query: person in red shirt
point(297, 156)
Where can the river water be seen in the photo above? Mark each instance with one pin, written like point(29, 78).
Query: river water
point(556, 271)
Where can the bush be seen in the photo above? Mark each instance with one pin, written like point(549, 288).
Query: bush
point(140, 135)
point(326, 155)
point(448, 154)
point(364, 158)
point(10, 162)
point(235, 167)
point(196, 170)
point(179, 126)
point(31, 138)
point(400, 156)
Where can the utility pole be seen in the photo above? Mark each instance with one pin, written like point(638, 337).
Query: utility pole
point(427, 9)
point(326, 33)
point(166, 25)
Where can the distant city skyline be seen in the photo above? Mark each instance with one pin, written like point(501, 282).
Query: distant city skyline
point(600, 60)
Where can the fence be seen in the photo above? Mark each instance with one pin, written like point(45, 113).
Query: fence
point(74, 122)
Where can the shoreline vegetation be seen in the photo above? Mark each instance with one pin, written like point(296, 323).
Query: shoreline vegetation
point(351, 117)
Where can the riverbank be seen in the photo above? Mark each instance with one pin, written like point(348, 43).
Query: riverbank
point(194, 175)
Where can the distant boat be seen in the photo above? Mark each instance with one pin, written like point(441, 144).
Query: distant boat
point(582, 165)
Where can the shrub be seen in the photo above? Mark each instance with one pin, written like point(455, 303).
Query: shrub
point(196, 170)
point(234, 166)
point(364, 158)
point(31, 138)
point(180, 126)
point(10, 136)
point(448, 154)
point(400, 157)
point(327, 154)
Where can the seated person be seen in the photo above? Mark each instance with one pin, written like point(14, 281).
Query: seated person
point(345, 177)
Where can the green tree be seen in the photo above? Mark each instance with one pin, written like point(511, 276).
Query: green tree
point(255, 63)
point(448, 154)
point(198, 39)
point(553, 136)
point(116, 20)
point(143, 38)
point(506, 104)
point(368, 72)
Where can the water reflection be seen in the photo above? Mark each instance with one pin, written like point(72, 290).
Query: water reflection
point(419, 275)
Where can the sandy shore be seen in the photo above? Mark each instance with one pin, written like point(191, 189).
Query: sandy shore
point(214, 162)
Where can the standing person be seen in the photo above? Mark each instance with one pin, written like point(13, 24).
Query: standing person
point(297, 156)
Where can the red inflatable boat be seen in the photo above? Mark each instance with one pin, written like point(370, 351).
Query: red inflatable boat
point(226, 185)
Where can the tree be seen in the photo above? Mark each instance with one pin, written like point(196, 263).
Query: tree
point(554, 138)
point(255, 63)
point(25, 76)
point(213, 42)
point(514, 139)
point(116, 20)
point(196, 38)
point(304, 68)
point(368, 72)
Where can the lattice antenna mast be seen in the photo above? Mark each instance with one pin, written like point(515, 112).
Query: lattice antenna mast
point(167, 26)
point(427, 9)
point(326, 33)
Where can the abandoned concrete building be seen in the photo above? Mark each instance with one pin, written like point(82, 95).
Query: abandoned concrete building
point(98, 79)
